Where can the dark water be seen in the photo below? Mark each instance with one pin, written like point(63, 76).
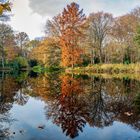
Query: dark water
point(64, 107)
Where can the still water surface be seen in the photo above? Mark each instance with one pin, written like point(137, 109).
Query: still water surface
point(65, 107)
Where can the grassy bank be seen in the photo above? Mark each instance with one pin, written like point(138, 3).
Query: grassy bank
point(107, 68)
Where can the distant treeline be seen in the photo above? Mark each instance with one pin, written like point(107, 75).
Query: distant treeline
point(74, 39)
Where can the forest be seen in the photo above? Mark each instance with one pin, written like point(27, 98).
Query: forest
point(81, 80)
point(73, 39)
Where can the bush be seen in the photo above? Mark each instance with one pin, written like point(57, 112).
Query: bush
point(37, 69)
point(20, 62)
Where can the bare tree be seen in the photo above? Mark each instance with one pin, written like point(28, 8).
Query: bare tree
point(22, 39)
point(99, 27)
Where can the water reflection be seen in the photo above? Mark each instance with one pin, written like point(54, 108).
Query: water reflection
point(72, 102)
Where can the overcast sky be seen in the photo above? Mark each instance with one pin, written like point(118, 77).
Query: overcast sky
point(30, 15)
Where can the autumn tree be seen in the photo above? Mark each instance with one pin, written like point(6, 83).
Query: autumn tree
point(124, 31)
point(136, 13)
point(137, 37)
point(137, 43)
point(99, 27)
point(32, 44)
point(47, 53)
point(22, 39)
point(52, 28)
point(6, 35)
point(70, 23)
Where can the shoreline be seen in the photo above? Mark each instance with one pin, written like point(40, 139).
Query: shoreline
point(106, 69)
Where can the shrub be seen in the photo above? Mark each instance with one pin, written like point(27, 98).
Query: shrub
point(37, 69)
point(20, 62)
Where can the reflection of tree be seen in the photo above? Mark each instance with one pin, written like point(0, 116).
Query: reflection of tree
point(45, 86)
point(7, 91)
point(5, 123)
point(21, 97)
point(137, 102)
point(117, 102)
point(67, 111)
point(96, 101)
point(73, 101)
point(96, 105)
point(8, 95)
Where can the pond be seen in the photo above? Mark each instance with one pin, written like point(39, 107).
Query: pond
point(65, 107)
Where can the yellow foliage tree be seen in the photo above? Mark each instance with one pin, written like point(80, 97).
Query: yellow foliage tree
point(47, 53)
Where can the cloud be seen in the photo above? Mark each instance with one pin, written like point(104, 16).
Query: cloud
point(30, 15)
point(53, 7)
point(24, 20)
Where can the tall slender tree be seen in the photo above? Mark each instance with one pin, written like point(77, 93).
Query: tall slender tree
point(22, 39)
point(70, 25)
point(99, 25)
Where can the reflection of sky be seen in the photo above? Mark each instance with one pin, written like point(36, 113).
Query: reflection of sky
point(118, 131)
point(31, 115)
point(30, 15)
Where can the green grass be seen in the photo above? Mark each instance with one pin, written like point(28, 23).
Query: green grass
point(107, 68)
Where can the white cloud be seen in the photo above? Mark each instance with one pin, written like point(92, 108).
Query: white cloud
point(30, 15)
point(25, 20)
point(53, 7)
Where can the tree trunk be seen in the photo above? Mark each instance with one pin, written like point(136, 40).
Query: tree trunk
point(92, 57)
point(3, 58)
point(100, 55)
point(3, 62)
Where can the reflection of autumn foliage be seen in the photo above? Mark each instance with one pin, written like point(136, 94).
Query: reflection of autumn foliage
point(10, 91)
point(71, 111)
point(95, 101)
point(67, 111)
point(117, 101)
point(72, 101)
point(45, 87)
point(8, 88)
point(70, 86)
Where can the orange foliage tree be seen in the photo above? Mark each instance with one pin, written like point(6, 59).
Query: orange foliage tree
point(71, 23)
